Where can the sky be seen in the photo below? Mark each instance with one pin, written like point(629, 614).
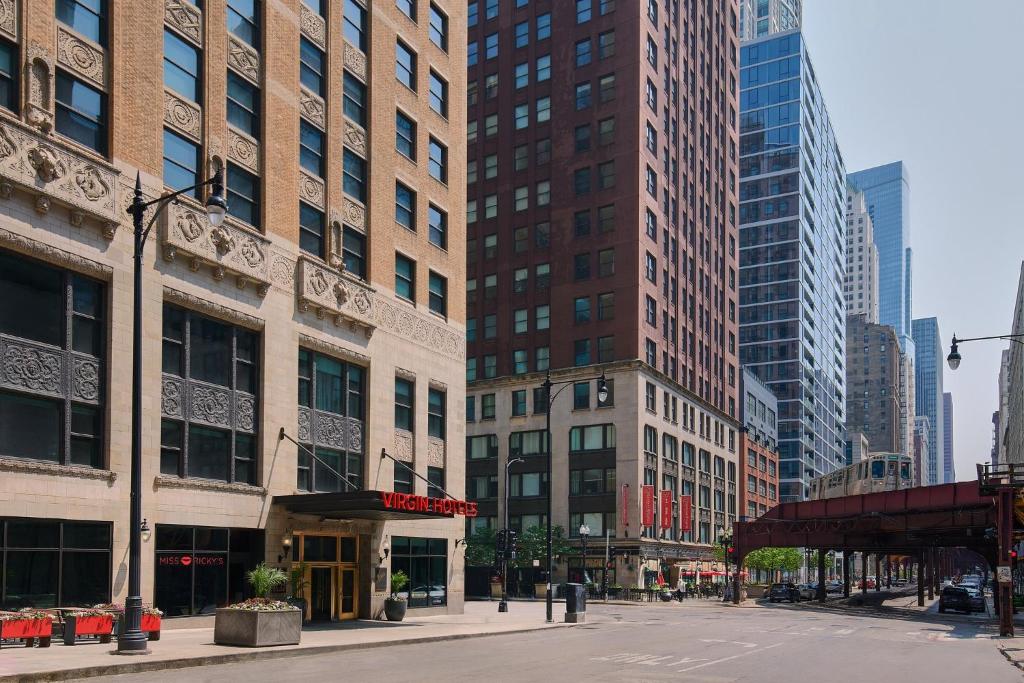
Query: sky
point(938, 84)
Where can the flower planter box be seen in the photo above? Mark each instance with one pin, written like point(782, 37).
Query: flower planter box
point(150, 625)
point(257, 628)
point(496, 590)
point(101, 626)
point(28, 630)
point(540, 590)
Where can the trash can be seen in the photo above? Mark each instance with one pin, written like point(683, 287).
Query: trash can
point(575, 603)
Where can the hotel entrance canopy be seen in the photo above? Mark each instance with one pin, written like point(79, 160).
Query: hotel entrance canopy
point(374, 505)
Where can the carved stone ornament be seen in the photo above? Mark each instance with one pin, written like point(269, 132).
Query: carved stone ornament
point(170, 482)
point(331, 349)
point(244, 150)
point(172, 397)
point(313, 26)
point(355, 138)
point(212, 308)
point(245, 411)
point(282, 272)
point(184, 117)
point(9, 18)
point(329, 292)
point(354, 213)
point(62, 174)
point(312, 108)
point(185, 229)
point(85, 379)
point(209, 404)
point(186, 18)
point(243, 59)
point(55, 470)
point(355, 61)
point(81, 57)
point(311, 189)
point(305, 424)
point(404, 446)
point(32, 367)
point(435, 452)
point(418, 328)
point(50, 254)
point(39, 74)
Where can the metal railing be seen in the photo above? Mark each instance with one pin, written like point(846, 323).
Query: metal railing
point(995, 476)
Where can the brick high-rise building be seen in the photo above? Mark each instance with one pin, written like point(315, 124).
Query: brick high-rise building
point(759, 457)
point(873, 396)
point(328, 306)
point(602, 239)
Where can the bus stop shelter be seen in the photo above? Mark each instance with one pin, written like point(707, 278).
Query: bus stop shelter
point(911, 522)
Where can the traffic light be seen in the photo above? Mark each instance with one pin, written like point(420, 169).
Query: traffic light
point(1013, 554)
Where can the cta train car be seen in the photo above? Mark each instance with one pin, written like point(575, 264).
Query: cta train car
point(878, 472)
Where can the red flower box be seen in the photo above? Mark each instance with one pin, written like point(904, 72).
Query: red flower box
point(26, 628)
point(151, 625)
point(91, 625)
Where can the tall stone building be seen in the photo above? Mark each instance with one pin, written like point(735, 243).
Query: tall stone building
point(873, 397)
point(602, 240)
point(327, 308)
point(1013, 426)
point(930, 357)
point(949, 465)
point(861, 283)
point(759, 18)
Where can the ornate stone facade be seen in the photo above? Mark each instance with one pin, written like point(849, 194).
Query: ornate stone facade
point(227, 248)
point(355, 61)
point(311, 189)
point(404, 446)
point(45, 252)
point(49, 168)
point(328, 430)
point(313, 26)
point(9, 18)
point(243, 59)
point(312, 107)
point(186, 18)
point(244, 150)
point(332, 292)
point(80, 56)
point(184, 116)
point(211, 308)
point(355, 138)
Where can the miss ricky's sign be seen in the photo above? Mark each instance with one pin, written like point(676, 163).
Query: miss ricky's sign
point(407, 502)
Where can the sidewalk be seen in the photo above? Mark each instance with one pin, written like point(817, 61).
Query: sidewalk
point(189, 647)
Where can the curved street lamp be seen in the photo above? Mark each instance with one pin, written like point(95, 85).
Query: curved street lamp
point(953, 359)
point(133, 640)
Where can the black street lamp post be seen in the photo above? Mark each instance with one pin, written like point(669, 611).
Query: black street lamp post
point(133, 640)
point(584, 535)
point(506, 551)
point(602, 396)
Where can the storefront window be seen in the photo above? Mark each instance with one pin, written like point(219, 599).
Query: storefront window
point(50, 563)
point(53, 333)
point(425, 562)
point(201, 568)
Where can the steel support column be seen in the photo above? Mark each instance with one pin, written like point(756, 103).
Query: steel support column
point(847, 561)
point(821, 575)
point(929, 571)
point(1004, 530)
point(878, 573)
point(864, 574)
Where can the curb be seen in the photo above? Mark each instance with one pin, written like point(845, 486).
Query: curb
point(245, 655)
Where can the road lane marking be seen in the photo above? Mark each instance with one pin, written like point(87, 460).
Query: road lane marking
point(726, 659)
point(844, 631)
point(654, 661)
point(687, 660)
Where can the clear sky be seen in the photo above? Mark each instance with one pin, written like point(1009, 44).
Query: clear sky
point(939, 85)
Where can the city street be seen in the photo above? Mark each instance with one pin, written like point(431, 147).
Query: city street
point(691, 642)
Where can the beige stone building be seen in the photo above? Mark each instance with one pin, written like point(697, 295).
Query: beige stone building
point(327, 308)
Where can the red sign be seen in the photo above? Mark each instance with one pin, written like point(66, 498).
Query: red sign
point(189, 560)
point(685, 513)
point(646, 506)
point(666, 509)
point(625, 505)
point(442, 506)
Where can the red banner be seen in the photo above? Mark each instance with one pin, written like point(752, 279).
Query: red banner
point(685, 513)
point(625, 505)
point(666, 509)
point(646, 506)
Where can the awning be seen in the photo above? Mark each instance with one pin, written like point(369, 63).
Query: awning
point(375, 505)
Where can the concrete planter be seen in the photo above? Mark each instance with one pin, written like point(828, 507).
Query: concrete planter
point(394, 609)
point(540, 590)
point(254, 628)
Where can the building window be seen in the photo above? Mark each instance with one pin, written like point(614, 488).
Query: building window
point(226, 357)
point(581, 352)
point(482, 447)
point(581, 309)
point(581, 396)
point(244, 20)
point(592, 438)
point(353, 251)
point(605, 349)
point(487, 407)
point(243, 190)
point(405, 277)
point(472, 53)
point(606, 306)
point(66, 312)
point(405, 65)
point(519, 402)
point(311, 229)
point(9, 76)
point(435, 482)
point(436, 413)
point(543, 26)
point(81, 113)
point(438, 300)
point(405, 135)
point(583, 52)
point(606, 88)
point(243, 105)
point(438, 94)
point(87, 17)
point(425, 562)
point(606, 44)
point(403, 479)
point(355, 24)
point(354, 170)
point(582, 95)
point(583, 11)
point(329, 389)
point(354, 99)
point(438, 27)
point(437, 221)
point(311, 66)
point(528, 485)
point(311, 148)
point(404, 402)
point(606, 262)
point(437, 165)
point(182, 163)
point(581, 266)
point(491, 46)
point(405, 206)
point(606, 131)
point(407, 7)
point(182, 67)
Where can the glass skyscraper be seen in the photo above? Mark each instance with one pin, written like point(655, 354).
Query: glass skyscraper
point(887, 195)
point(793, 255)
point(929, 402)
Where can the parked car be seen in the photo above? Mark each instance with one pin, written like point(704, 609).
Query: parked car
point(871, 582)
point(783, 591)
point(808, 591)
point(977, 599)
point(834, 587)
point(955, 598)
point(899, 582)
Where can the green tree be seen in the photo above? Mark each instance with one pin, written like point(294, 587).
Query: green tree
point(774, 559)
point(480, 548)
point(533, 544)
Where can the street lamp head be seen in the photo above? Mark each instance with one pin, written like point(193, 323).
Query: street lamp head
point(216, 205)
point(145, 531)
point(954, 355)
point(602, 389)
point(584, 530)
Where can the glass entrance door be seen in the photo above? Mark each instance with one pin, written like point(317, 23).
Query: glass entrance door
point(321, 606)
point(347, 600)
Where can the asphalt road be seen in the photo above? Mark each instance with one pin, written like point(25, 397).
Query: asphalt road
point(706, 642)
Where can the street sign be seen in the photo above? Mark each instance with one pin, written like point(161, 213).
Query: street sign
point(1003, 574)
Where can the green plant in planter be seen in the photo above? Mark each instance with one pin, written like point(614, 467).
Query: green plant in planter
point(298, 582)
point(399, 580)
point(264, 579)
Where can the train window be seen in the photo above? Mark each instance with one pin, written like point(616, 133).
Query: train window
point(877, 469)
point(904, 470)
